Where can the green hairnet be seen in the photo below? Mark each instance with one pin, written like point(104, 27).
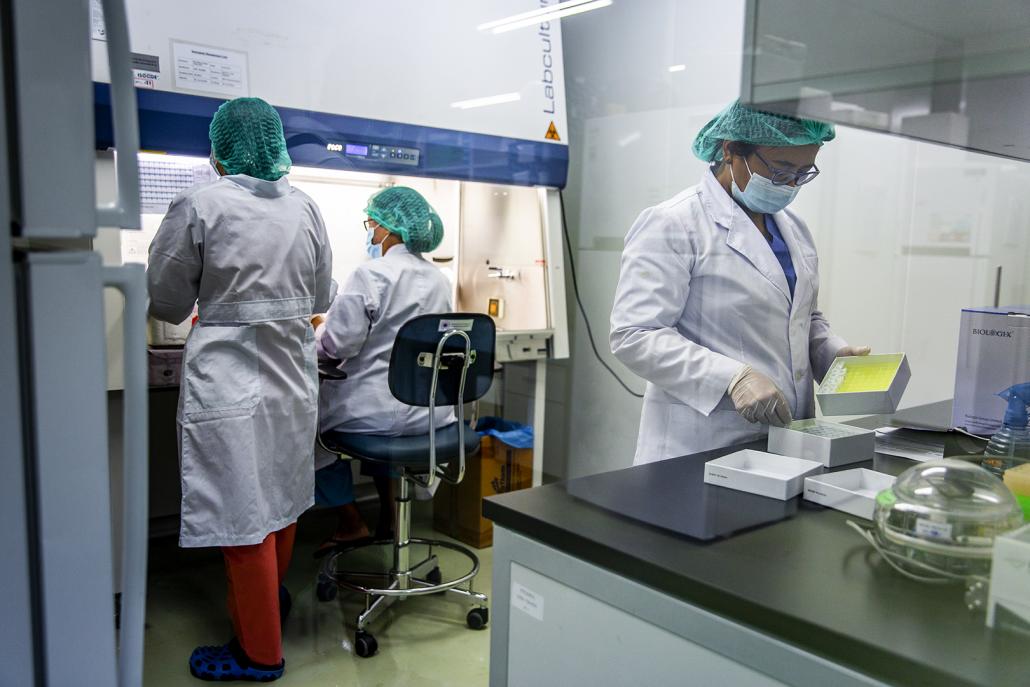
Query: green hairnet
point(403, 211)
point(247, 138)
point(740, 123)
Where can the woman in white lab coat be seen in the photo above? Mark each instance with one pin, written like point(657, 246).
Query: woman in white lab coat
point(356, 340)
point(716, 305)
point(252, 252)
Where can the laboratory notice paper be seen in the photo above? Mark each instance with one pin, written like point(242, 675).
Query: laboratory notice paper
point(210, 70)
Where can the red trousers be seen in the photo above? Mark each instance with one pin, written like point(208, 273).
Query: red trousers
point(254, 574)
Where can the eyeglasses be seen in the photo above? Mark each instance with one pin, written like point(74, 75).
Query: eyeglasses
point(781, 176)
point(370, 224)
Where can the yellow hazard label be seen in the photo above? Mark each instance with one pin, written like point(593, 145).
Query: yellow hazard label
point(552, 133)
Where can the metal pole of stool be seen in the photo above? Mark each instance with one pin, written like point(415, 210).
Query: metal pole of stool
point(402, 536)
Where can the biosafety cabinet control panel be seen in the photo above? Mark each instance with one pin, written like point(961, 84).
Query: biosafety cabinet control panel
point(378, 153)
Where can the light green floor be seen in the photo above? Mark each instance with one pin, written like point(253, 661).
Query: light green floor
point(423, 641)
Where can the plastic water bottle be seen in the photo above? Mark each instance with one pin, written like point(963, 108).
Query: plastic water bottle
point(1010, 445)
point(1008, 448)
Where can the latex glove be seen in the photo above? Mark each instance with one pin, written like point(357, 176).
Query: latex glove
point(757, 398)
point(328, 366)
point(849, 351)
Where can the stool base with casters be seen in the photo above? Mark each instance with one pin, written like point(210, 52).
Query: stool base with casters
point(405, 578)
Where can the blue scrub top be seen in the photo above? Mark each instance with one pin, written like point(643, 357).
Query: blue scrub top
point(782, 253)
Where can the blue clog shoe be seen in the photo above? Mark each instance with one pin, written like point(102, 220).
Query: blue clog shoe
point(229, 663)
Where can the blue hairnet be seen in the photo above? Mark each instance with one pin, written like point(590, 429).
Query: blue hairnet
point(247, 138)
point(741, 123)
point(403, 211)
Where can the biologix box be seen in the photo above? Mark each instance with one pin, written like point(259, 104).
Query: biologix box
point(993, 356)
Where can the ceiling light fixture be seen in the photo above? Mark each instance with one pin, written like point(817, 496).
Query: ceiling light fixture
point(488, 100)
point(547, 13)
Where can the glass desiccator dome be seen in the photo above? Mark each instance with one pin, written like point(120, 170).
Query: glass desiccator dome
point(942, 517)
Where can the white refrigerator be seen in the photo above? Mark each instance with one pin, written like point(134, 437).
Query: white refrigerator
point(58, 606)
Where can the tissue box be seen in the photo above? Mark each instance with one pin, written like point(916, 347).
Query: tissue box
point(1008, 605)
point(829, 443)
point(993, 354)
point(864, 385)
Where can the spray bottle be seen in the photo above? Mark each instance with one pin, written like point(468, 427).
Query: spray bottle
point(1010, 445)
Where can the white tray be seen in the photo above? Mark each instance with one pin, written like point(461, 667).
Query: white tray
point(850, 491)
point(881, 402)
point(778, 477)
point(829, 443)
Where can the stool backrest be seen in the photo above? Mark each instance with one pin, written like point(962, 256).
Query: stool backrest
point(414, 351)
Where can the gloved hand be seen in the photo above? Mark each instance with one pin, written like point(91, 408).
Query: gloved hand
point(849, 351)
point(757, 398)
point(328, 366)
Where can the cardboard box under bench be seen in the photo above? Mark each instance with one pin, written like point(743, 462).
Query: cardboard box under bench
point(496, 469)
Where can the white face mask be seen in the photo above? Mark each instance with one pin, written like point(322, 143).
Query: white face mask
point(761, 194)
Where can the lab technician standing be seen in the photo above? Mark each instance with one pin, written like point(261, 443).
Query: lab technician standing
point(716, 305)
point(253, 253)
point(356, 340)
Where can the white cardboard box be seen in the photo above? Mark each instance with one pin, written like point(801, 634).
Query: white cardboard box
point(829, 443)
point(850, 491)
point(164, 334)
point(993, 354)
point(758, 472)
point(882, 401)
point(1008, 605)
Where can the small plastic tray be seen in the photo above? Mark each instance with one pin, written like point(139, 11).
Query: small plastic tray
point(757, 472)
point(1008, 605)
point(850, 491)
point(864, 385)
point(829, 443)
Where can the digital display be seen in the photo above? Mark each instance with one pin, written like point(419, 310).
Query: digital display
point(377, 153)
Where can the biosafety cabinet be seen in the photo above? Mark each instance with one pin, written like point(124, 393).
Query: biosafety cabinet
point(370, 96)
point(501, 250)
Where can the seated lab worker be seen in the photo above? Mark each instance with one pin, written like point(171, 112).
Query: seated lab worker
point(253, 253)
point(354, 345)
point(717, 301)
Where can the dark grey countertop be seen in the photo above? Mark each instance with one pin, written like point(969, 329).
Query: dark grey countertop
point(808, 580)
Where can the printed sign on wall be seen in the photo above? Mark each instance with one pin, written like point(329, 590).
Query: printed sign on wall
point(211, 70)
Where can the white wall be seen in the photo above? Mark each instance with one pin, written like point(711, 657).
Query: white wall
point(908, 233)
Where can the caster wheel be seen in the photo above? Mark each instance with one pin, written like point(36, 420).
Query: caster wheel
point(365, 645)
point(478, 618)
point(326, 590)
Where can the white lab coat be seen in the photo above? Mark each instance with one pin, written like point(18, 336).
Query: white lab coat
point(359, 331)
point(700, 295)
point(255, 256)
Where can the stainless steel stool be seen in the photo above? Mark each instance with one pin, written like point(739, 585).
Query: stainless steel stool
point(436, 360)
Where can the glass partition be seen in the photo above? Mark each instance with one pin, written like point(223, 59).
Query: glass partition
point(937, 70)
point(907, 233)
